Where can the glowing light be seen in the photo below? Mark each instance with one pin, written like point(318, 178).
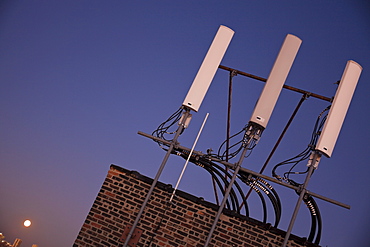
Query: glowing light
point(27, 223)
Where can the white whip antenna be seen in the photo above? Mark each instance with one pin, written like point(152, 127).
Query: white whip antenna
point(208, 69)
point(275, 81)
point(339, 108)
point(187, 160)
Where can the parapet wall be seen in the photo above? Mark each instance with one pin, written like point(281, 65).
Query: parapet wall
point(184, 223)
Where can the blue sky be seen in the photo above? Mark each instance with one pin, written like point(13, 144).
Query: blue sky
point(78, 79)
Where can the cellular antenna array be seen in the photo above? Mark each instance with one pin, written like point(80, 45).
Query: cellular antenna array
point(262, 111)
point(251, 132)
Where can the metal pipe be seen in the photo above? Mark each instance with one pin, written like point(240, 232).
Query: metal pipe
point(283, 132)
point(315, 159)
point(255, 134)
point(285, 86)
point(173, 142)
point(228, 125)
point(343, 205)
point(229, 100)
point(227, 192)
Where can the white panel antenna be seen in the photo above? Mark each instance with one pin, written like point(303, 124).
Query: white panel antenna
point(339, 107)
point(208, 69)
point(275, 81)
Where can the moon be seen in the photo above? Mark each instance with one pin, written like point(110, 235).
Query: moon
point(27, 223)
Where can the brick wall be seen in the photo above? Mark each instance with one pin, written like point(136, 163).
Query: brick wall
point(184, 223)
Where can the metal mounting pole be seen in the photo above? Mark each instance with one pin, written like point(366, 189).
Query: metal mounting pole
point(228, 125)
point(303, 98)
point(254, 135)
point(227, 192)
point(312, 165)
point(172, 145)
point(229, 101)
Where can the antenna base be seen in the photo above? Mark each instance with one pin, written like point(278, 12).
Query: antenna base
point(314, 159)
point(253, 133)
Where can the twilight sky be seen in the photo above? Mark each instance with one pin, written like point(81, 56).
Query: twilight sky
point(78, 79)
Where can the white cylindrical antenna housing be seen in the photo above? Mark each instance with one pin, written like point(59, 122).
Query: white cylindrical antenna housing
point(275, 81)
point(339, 107)
point(208, 69)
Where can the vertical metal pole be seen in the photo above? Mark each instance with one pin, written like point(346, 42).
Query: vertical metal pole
point(312, 166)
point(173, 143)
point(303, 98)
point(228, 125)
point(227, 192)
point(229, 100)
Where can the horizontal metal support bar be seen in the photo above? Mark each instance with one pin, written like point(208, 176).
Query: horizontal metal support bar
point(249, 171)
point(285, 86)
point(343, 205)
point(232, 166)
point(185, 148)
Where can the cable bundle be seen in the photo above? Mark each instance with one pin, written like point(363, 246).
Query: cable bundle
point(305, 154)
point(248, 139)
point(163, 128)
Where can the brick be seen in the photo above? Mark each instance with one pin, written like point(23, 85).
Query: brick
point(185, 223)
